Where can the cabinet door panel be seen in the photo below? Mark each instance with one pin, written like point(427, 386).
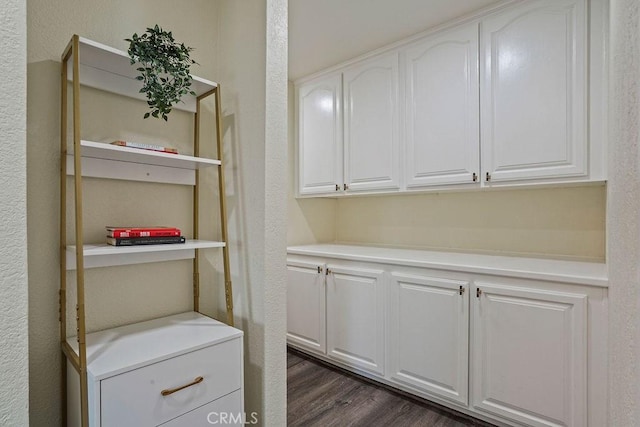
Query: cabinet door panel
point(429, 334)
point(355, 317)
point(529, 355)
point(371, 124)
point(306, 305)
point(442, 109)
point(320, 136)
point(534, 91)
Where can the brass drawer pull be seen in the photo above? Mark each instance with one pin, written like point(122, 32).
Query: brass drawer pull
point(173, 390)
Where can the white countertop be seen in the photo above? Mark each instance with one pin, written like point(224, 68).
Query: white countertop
point(584, 273)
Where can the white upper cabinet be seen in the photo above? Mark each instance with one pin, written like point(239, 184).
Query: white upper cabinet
point(372, 150)
point(515, 96)
point(320, 136)
point(534, 91)
point(442, 109)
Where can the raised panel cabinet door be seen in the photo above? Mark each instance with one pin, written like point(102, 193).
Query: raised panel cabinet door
point(372, 155)
point(534, 83)
point(319, 146)
point(355, 317)
point(429, 334)
point(529, 355)
point(442, 109)
point(306, 326)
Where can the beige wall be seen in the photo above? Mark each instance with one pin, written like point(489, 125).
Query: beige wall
point(14, 372)
point(127, 294)
point(553, 222)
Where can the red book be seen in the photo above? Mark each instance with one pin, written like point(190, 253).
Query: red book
point(151, 231)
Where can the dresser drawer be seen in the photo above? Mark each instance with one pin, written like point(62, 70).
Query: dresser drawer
point(134, 398)
point(226, 411)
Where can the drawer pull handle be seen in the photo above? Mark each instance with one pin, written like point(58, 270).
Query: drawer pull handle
point(173, 390)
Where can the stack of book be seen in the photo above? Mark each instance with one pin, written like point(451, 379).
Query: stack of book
point(150, 235)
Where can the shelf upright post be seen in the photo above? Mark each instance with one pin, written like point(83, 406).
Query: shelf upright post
point(62, 298)
point(80, 308)
point(228, 287)
point(196, 214)
point(228, 290)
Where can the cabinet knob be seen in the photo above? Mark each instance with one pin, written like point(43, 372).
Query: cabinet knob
point(488, 177)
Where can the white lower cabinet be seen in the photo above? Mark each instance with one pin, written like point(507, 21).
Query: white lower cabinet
point(530, 354)
point(306, 305)
point(429, 334)
point(516, 350)
point(355, 316)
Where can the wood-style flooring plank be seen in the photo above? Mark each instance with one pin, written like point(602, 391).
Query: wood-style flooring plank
point(318, 395)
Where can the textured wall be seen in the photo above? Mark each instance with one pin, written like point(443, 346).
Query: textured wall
point(252, 40)
point(275, 366)
point(114, 295)
point(553, 222)
point(623, 223)
point(14, 373)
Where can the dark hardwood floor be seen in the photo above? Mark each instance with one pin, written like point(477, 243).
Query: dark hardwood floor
point(321, 395)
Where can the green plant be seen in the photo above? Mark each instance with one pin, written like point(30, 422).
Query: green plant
point(164, 69)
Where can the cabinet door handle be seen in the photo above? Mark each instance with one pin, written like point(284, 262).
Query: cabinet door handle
point(337, 187)
point(461, 290)
point(319, 269)
point(345, 187)
point(169, 391)
point(475, 177)
point(478, 292)
point(327, 271)
point(488, 177)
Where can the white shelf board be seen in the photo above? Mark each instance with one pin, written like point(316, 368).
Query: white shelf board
point(104, 255)
point(105, 68)
point(102, 160)
point(117, 350)
point(104, 151)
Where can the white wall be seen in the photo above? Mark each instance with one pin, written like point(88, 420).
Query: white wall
point(252, 40)
point(623, 222)
point(14, 397)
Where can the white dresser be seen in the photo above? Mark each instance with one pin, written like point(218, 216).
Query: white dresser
point(180, 370)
